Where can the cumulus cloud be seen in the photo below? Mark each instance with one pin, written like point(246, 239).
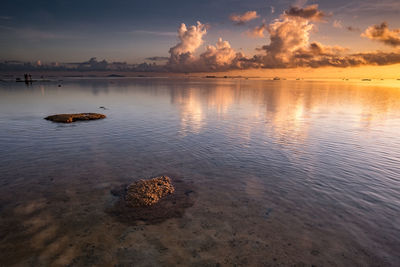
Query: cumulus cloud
point(190, 39)
point(382, 33)
point(245, 17)
point(286, 36)
point(289, 47)
point(310, 12)
point(221, 56)
point(258, 31)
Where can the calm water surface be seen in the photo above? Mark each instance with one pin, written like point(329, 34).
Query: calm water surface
point(288, 173)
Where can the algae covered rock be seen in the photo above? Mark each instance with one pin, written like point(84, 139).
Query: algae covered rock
point(152, 200)
point(148, 192)
point(68, 118)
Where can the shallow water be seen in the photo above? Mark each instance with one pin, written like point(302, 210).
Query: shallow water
point(282, 172)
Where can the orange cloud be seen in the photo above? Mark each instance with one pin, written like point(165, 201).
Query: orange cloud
point(257, 32)
point(245, 17)
point(310, 12)
point(190, 39)
point(289, 46)
point(382, 33)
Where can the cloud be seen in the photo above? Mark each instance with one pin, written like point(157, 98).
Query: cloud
point(352, 29)
point(337, 24)
point(157, 58)
point(190, 39)
point(287, 35)
point(220, 57)
point(243, 18)
point(379, 58)
point(382, 33)
point(289, 47)
point(258, 31)
point(6, 17)
point(31, 34)
point(216, 58)
point(34, 34)
point(310, 12)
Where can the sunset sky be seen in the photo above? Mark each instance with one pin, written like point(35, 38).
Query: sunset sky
point(185, 35)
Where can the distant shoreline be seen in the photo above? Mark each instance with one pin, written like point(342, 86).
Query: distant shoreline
point(47, 76)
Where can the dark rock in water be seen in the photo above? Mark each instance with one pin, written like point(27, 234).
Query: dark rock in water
point(151, 201)
point(68, 118)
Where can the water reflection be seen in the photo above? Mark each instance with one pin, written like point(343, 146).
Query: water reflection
point(191, 110)
point(313, 164)
point(286, 107)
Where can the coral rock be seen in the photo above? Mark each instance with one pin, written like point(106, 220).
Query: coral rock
point(68, 118)
point(148, 192)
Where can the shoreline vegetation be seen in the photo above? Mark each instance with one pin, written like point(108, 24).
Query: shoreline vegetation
point(39, 77)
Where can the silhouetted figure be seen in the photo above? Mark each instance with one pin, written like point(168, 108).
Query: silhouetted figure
point(26, 79)
point(30, 78)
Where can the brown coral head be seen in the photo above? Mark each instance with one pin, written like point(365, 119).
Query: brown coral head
point(148, 192)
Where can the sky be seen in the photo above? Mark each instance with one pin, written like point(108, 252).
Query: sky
point(185, 35)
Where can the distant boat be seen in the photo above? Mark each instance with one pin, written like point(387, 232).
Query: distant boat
point(276, 78)
point(211, 76)
point(366, 80)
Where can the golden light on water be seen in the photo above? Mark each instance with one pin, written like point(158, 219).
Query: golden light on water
point(288, 106)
